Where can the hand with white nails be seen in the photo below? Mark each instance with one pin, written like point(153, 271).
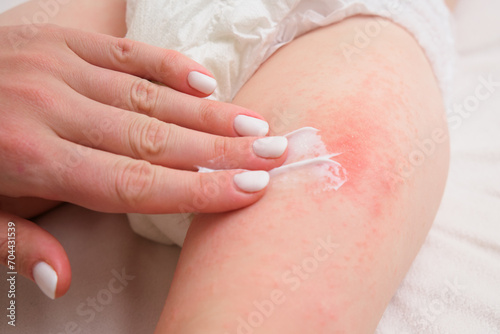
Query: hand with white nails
point(29, 250)
point(83, 122)
point(118, 126)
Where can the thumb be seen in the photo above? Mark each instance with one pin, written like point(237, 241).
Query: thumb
point(31, 251)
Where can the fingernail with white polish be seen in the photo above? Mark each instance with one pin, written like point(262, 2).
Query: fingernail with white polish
point(202, 82)
point(250, 126)
point(46, 279)
point(252, 181)
point(270, 147)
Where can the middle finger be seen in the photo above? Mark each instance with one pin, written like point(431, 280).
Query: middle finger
point(132, 93)
point(142, 137)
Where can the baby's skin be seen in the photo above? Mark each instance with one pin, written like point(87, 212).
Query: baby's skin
point(308, 258)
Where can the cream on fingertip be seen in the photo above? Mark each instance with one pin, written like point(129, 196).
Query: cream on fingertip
point(202, 82)
point(46, 279)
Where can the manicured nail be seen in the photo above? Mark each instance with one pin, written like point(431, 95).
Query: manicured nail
point(202, 82)
point(46, 279)
point(270, 147)
point(250, 126)
point(252, 181)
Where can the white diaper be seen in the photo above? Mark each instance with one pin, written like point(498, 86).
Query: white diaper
point(232, 38)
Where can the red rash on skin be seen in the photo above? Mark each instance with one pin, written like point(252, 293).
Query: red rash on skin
point(360, 139)
point(363, 138)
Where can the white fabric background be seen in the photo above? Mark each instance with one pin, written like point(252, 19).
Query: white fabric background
point(7, 4)
point(453, 286)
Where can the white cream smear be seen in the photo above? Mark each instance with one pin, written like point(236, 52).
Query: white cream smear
point(307, 150)
point(307, 153)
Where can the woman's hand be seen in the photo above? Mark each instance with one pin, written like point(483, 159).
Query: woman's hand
point(80, 122)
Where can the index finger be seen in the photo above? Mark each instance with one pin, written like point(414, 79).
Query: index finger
point(140, 59)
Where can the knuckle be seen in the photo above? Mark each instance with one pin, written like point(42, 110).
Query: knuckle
point(203, 182)
point(221, 147)
point(37, 59)
point(148, 137)
point(134, 182)
point(123, 50)
point(32, 148)
point(209, 187)
point(144, 96)
point(29, 99)
point(169, 63)
point(208, 112)
point(44, 99)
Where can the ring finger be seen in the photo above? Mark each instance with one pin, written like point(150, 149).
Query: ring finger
point(132, 93)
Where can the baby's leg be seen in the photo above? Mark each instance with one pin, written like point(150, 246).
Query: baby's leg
point(308, 260)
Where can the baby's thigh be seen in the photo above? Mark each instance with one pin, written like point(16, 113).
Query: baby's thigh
point(327, 260)
point(382, 110)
